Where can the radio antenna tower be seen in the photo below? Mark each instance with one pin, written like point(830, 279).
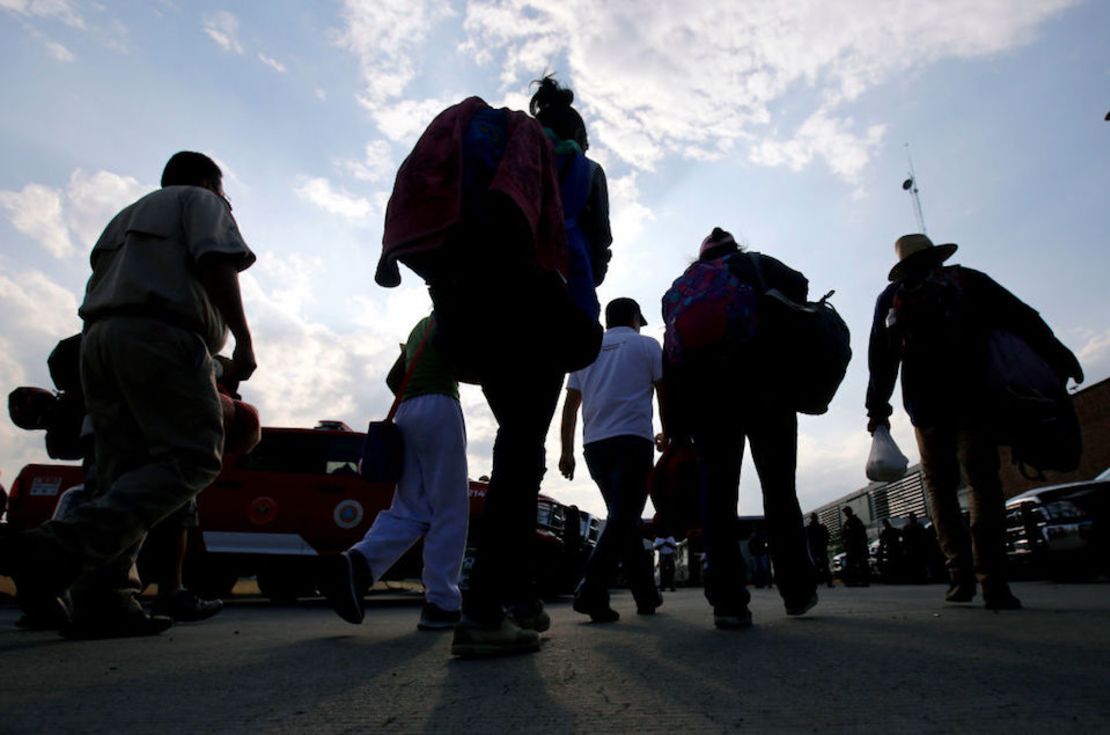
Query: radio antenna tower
point(910, 185)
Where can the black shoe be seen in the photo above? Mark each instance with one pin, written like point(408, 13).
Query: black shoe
point(1002, 601)
point(185, 607)
point(650, 608)
point(732, 618)
point(599, 611)
point(344, 580)
point(474, 640)
point(960, 592)
point(131, 625)
point(49, 613)
point(531, 616)
point(434, 617)
point(802, 606)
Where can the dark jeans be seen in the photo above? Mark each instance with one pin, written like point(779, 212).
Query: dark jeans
point(620, 466)
point(523, 399)
point(945, 449)
point(719, 425)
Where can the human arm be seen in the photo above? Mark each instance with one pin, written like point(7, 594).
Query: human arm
point(1003, 309)
point(570, 420)
point(883, 360)
point(662, 439)
point(219, 276)
point(594, 223)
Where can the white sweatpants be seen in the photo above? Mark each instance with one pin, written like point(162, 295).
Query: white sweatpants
point(432, 499)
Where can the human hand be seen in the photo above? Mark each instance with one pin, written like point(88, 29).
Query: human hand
point(243, 363)
point(661, 442)
point(566, 465)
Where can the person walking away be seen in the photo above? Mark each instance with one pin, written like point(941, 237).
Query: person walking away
point(163, 295)
point(720, 391)
point(891, 551)
point(615, 395)
point(432, 497)
point(476, 212)
point(934, 322)
point(666, 547)
point(853, 537)
point(916, 546)
point(817, 535)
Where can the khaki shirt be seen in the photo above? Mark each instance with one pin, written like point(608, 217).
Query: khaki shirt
point(146, 261)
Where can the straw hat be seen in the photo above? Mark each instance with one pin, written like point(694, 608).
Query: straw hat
point(916, 251)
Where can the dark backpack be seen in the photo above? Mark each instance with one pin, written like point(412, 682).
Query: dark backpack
point(810, 349)
point(1030, 407)
point(708, 313)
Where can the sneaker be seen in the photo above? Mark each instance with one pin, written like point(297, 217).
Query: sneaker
point(651, 607)
point(473, 640)
point(732, 618)
point(185, 607)
point(1002, 601)
point(960, 592)
point(599, 612)
point(532, 617)
point(131, 625)
point(47, 613)
point(344, 580)
point(434, 617)
point(801, 607)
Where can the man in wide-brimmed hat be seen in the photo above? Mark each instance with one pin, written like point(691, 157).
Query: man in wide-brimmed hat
point(934, 320)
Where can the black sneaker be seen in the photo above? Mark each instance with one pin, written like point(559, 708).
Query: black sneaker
point(599, 611)
point(474, 640)
point(344, 579)
point(185, 607)
point(802, 606)
point(434, 617)
point(1002, 601)
point(531, 616)
point(960, 592)
point(650, 608)
point(732, 618)
point(131, 625)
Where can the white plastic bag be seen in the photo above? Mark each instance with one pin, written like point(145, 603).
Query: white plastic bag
point(886, 463)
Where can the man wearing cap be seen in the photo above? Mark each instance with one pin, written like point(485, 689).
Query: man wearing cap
point(933, 321)
point(615, 394)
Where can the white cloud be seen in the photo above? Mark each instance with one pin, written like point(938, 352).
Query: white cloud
point(319, 191)
point(1094, 356)
point(378, 164)
point(271, 62)
point(223, 28)
point(652, 82)
point(404, 120)
point(36, 211)
point(63, 11)
point(321, 94)
point(628, 215)
point(386, 37)
point(93, 199)
point(60, 52)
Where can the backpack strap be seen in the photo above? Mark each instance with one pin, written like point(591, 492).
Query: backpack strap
point(408, 374)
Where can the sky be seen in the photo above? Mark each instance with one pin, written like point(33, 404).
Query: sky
point(783, 121)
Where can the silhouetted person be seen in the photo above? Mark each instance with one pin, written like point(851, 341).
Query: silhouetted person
point(476, 211)
point(163, 294)
point(721, 394)
point(934, 321)
point(817, 535)
point(667, 549)
point(615, 395)
point(890, 552)
point(761, 561)
point(853, 536)
point(916, 548)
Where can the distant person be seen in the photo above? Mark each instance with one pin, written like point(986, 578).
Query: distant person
point(890, 552)
point(163, 294)
point(432, 498)
point(853, 536)
point(615, 395)
point(476, 211)
point(933, 321)
point(761, 561)
point(817, 534)
point(667, 548)
point(916, 549)
point(721, 392)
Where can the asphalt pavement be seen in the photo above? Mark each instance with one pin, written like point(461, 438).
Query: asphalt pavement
point(878, 659)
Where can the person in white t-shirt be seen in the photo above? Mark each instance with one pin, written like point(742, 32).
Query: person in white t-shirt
point(615, 394)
